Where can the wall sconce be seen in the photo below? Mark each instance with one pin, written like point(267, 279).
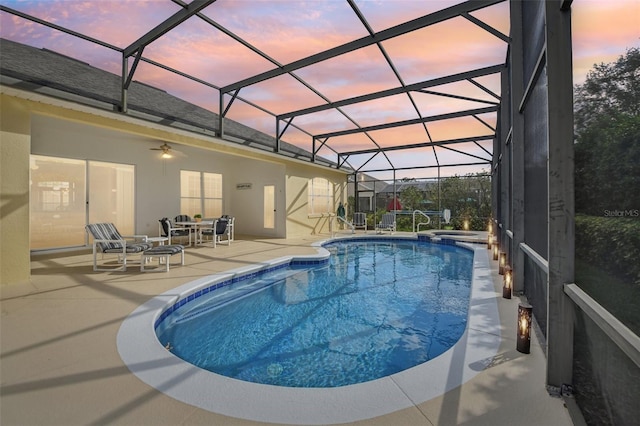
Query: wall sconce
point(496, 250)
point(507, 284)
point(523, 342)
point(489, 240)
point(502, 263)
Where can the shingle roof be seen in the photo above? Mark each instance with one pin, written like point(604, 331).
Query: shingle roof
point(41, 70)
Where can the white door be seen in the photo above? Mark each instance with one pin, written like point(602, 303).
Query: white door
point(269, 213)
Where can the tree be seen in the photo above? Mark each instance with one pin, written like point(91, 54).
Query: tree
point(609, 90)
point(607, 131)
point(469, 198)
point(411, 198)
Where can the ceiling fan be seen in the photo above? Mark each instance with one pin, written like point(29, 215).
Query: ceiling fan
point(167, 151)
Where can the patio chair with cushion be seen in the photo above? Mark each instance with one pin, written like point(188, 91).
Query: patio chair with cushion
point(360, 221)
point(169, 231)
point(388, 223)
point(183, 218)
point(231, 221)
point(107, 240)
point(219, 228)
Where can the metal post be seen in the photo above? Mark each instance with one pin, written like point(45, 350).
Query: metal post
point(439, 201)
point(561, 212)
point(393, 201)
point(220, 117)
point(356, 201)
point(276, 148)
point(517, 147)
point(123, 89)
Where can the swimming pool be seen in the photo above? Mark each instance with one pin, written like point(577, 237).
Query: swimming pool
point(147, 358)
point(375, 308)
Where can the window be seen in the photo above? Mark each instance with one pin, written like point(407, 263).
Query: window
point(200, 193)
point(320, 196)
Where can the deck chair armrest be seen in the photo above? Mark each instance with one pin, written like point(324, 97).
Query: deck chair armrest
point(135, 237)
point(109, 241)
point(98, 241)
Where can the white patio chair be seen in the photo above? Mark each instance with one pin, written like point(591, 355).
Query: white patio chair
point(169, 231)
point(360, 221)
point(107, 240)
point(219, 228)
point(388, 223)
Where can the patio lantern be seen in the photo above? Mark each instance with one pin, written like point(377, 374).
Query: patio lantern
point(523, 341)
point(489, 240)
point(496, 250)
point(502, 262)
point(507, 283)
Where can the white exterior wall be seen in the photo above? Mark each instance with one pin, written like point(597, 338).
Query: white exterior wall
point(14, 193)
point(63, 129)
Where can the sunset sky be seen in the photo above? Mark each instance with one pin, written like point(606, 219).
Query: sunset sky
point(287, 31)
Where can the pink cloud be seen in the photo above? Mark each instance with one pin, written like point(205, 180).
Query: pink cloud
point(132, 18)
point(287, 31)
point(602, 31)
point(453, 46)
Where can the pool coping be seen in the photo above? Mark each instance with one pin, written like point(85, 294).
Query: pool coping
point(146, 358)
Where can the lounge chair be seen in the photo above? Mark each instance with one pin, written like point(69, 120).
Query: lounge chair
point(107, 240)
point(219, 228)
point(360, 221)
point(388, 223)
point(167, 230)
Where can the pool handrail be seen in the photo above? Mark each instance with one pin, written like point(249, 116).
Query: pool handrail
point(346, 222)
point(421, 223)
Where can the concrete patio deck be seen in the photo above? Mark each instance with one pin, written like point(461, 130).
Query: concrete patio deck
point(60, 364)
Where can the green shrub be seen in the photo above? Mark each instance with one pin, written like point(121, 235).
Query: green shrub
point(611, 243)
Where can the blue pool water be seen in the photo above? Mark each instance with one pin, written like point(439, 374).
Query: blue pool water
point(374, 309)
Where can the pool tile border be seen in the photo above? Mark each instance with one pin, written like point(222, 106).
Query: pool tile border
point(218, 283)
point(310, 260)
point(138, 346)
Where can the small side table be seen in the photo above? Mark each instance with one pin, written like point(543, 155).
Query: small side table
point(159, 240)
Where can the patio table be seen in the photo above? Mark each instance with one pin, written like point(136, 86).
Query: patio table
point(195, 227)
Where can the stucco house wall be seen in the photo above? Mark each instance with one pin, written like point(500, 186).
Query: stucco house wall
point(36, 124)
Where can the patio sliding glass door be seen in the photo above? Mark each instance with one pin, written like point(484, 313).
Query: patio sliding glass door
point(60, 206)
point(111, 195)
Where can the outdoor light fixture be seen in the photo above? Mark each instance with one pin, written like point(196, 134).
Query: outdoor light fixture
point(489, 240)
point(496, 250)
point(490, 228)
point(465, 225)
point(507, 284)
point(523, 342)
point(502, 262)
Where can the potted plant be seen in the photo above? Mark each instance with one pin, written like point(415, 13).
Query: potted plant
point(197, 217)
